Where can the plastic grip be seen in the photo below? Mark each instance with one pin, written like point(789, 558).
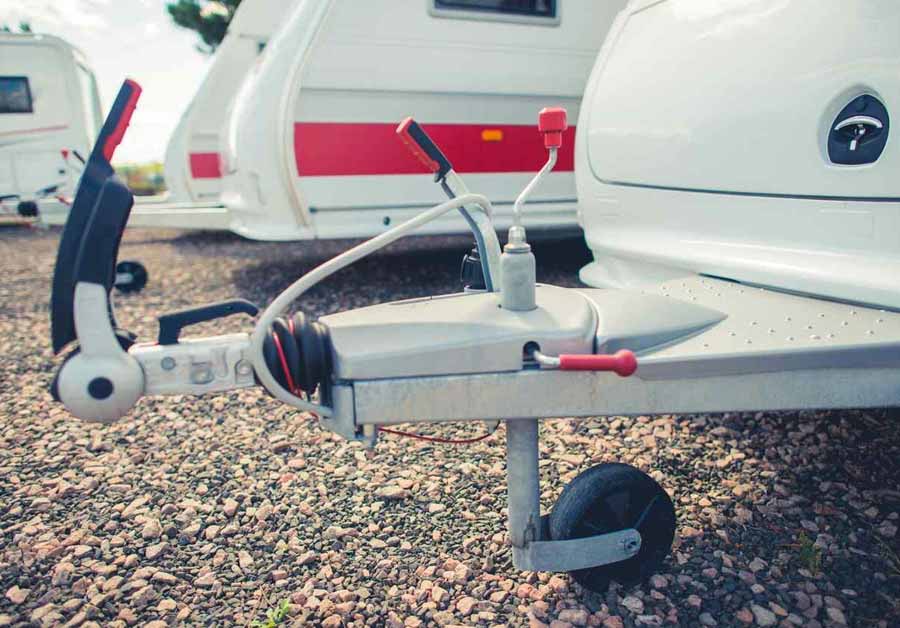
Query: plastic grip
point(129, 94)
point(622, 362)
point(424, 149)
point(552, 123)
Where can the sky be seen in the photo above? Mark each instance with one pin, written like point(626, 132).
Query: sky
point(126, 39)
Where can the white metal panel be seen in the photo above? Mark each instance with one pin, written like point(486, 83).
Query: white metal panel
point(456, 333)
point(398, 45)
point(739, 95)
point(732, 102)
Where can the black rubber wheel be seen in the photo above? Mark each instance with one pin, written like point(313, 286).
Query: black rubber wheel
point(138, 277)
point(28, 209)
point(611, 497)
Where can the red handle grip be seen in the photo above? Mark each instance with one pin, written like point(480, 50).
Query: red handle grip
point(552, 122)
point(422, 146)
point(622, 362)
point(130, 91)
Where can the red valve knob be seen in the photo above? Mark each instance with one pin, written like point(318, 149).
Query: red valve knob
point(552, 123)
point(622, 362)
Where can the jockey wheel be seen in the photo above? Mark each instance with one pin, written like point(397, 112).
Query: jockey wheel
point(611, 497)
point(131, 277)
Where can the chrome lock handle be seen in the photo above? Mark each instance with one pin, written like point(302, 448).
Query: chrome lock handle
point(860, 126)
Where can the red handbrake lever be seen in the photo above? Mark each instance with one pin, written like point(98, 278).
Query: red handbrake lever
point(622, 362)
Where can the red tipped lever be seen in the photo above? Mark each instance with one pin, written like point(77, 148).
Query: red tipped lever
point(622, 362)
point(552, 123)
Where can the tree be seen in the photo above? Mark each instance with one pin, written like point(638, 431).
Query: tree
point(24, 27)
point(209, 18)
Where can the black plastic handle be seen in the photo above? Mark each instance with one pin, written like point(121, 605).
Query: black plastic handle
point(424, 148)
point(170, 325)
point(90, 240)
point(99, 248)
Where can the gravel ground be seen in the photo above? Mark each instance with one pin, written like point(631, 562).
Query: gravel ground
point(214, 510)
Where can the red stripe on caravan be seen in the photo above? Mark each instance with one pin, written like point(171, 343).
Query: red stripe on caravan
point(330, 149)
point(205, 165)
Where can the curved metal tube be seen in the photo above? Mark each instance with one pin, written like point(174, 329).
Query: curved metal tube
point(517, 208)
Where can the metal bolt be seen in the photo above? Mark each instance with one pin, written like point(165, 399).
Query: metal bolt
point(167, 363)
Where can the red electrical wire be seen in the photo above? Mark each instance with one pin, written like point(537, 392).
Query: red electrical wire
point(284, 365)
point(437, 439)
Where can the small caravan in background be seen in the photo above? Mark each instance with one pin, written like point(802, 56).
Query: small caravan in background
point(307, 149)
point(192, 167)
point(49, 119)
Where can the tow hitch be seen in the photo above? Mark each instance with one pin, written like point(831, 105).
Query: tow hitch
point(501, 343)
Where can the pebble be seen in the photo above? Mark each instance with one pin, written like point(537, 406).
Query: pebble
point(152, 552)
point(757, 564)
point(151, 530)
point(574, 616)
point(166, 605)
point(229, 507)
point(836, 615)
point(163, 577)
point(17, 595)
point(465, 605)
point(763, 616)
point(392, 492)
point(245, 560)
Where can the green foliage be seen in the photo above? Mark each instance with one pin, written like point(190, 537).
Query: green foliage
point(274, 616)
point(809, 553)
point(24, 27)
point(144, 179)
point(209, 18)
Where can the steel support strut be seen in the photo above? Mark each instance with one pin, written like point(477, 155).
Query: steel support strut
point(523, 483)
point(530, 551)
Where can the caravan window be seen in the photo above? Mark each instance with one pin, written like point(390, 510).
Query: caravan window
point(527, 11)
point(15, 95)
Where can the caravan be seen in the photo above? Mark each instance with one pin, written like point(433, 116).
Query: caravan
point(49, 119)
point(305, 150)
point(192, 166)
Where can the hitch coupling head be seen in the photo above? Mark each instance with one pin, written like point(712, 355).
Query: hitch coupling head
point(100, 388)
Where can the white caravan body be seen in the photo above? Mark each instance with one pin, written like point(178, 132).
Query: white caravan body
point(192, 166)
point(49, 109)
point(748, 140)
point(310, 150)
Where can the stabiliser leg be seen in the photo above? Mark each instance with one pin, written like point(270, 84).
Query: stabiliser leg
point(523, 484)
point(531, 552)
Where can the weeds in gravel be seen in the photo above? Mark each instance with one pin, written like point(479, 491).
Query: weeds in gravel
point(809, 554)
point(890, 556)
point(274, 616)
